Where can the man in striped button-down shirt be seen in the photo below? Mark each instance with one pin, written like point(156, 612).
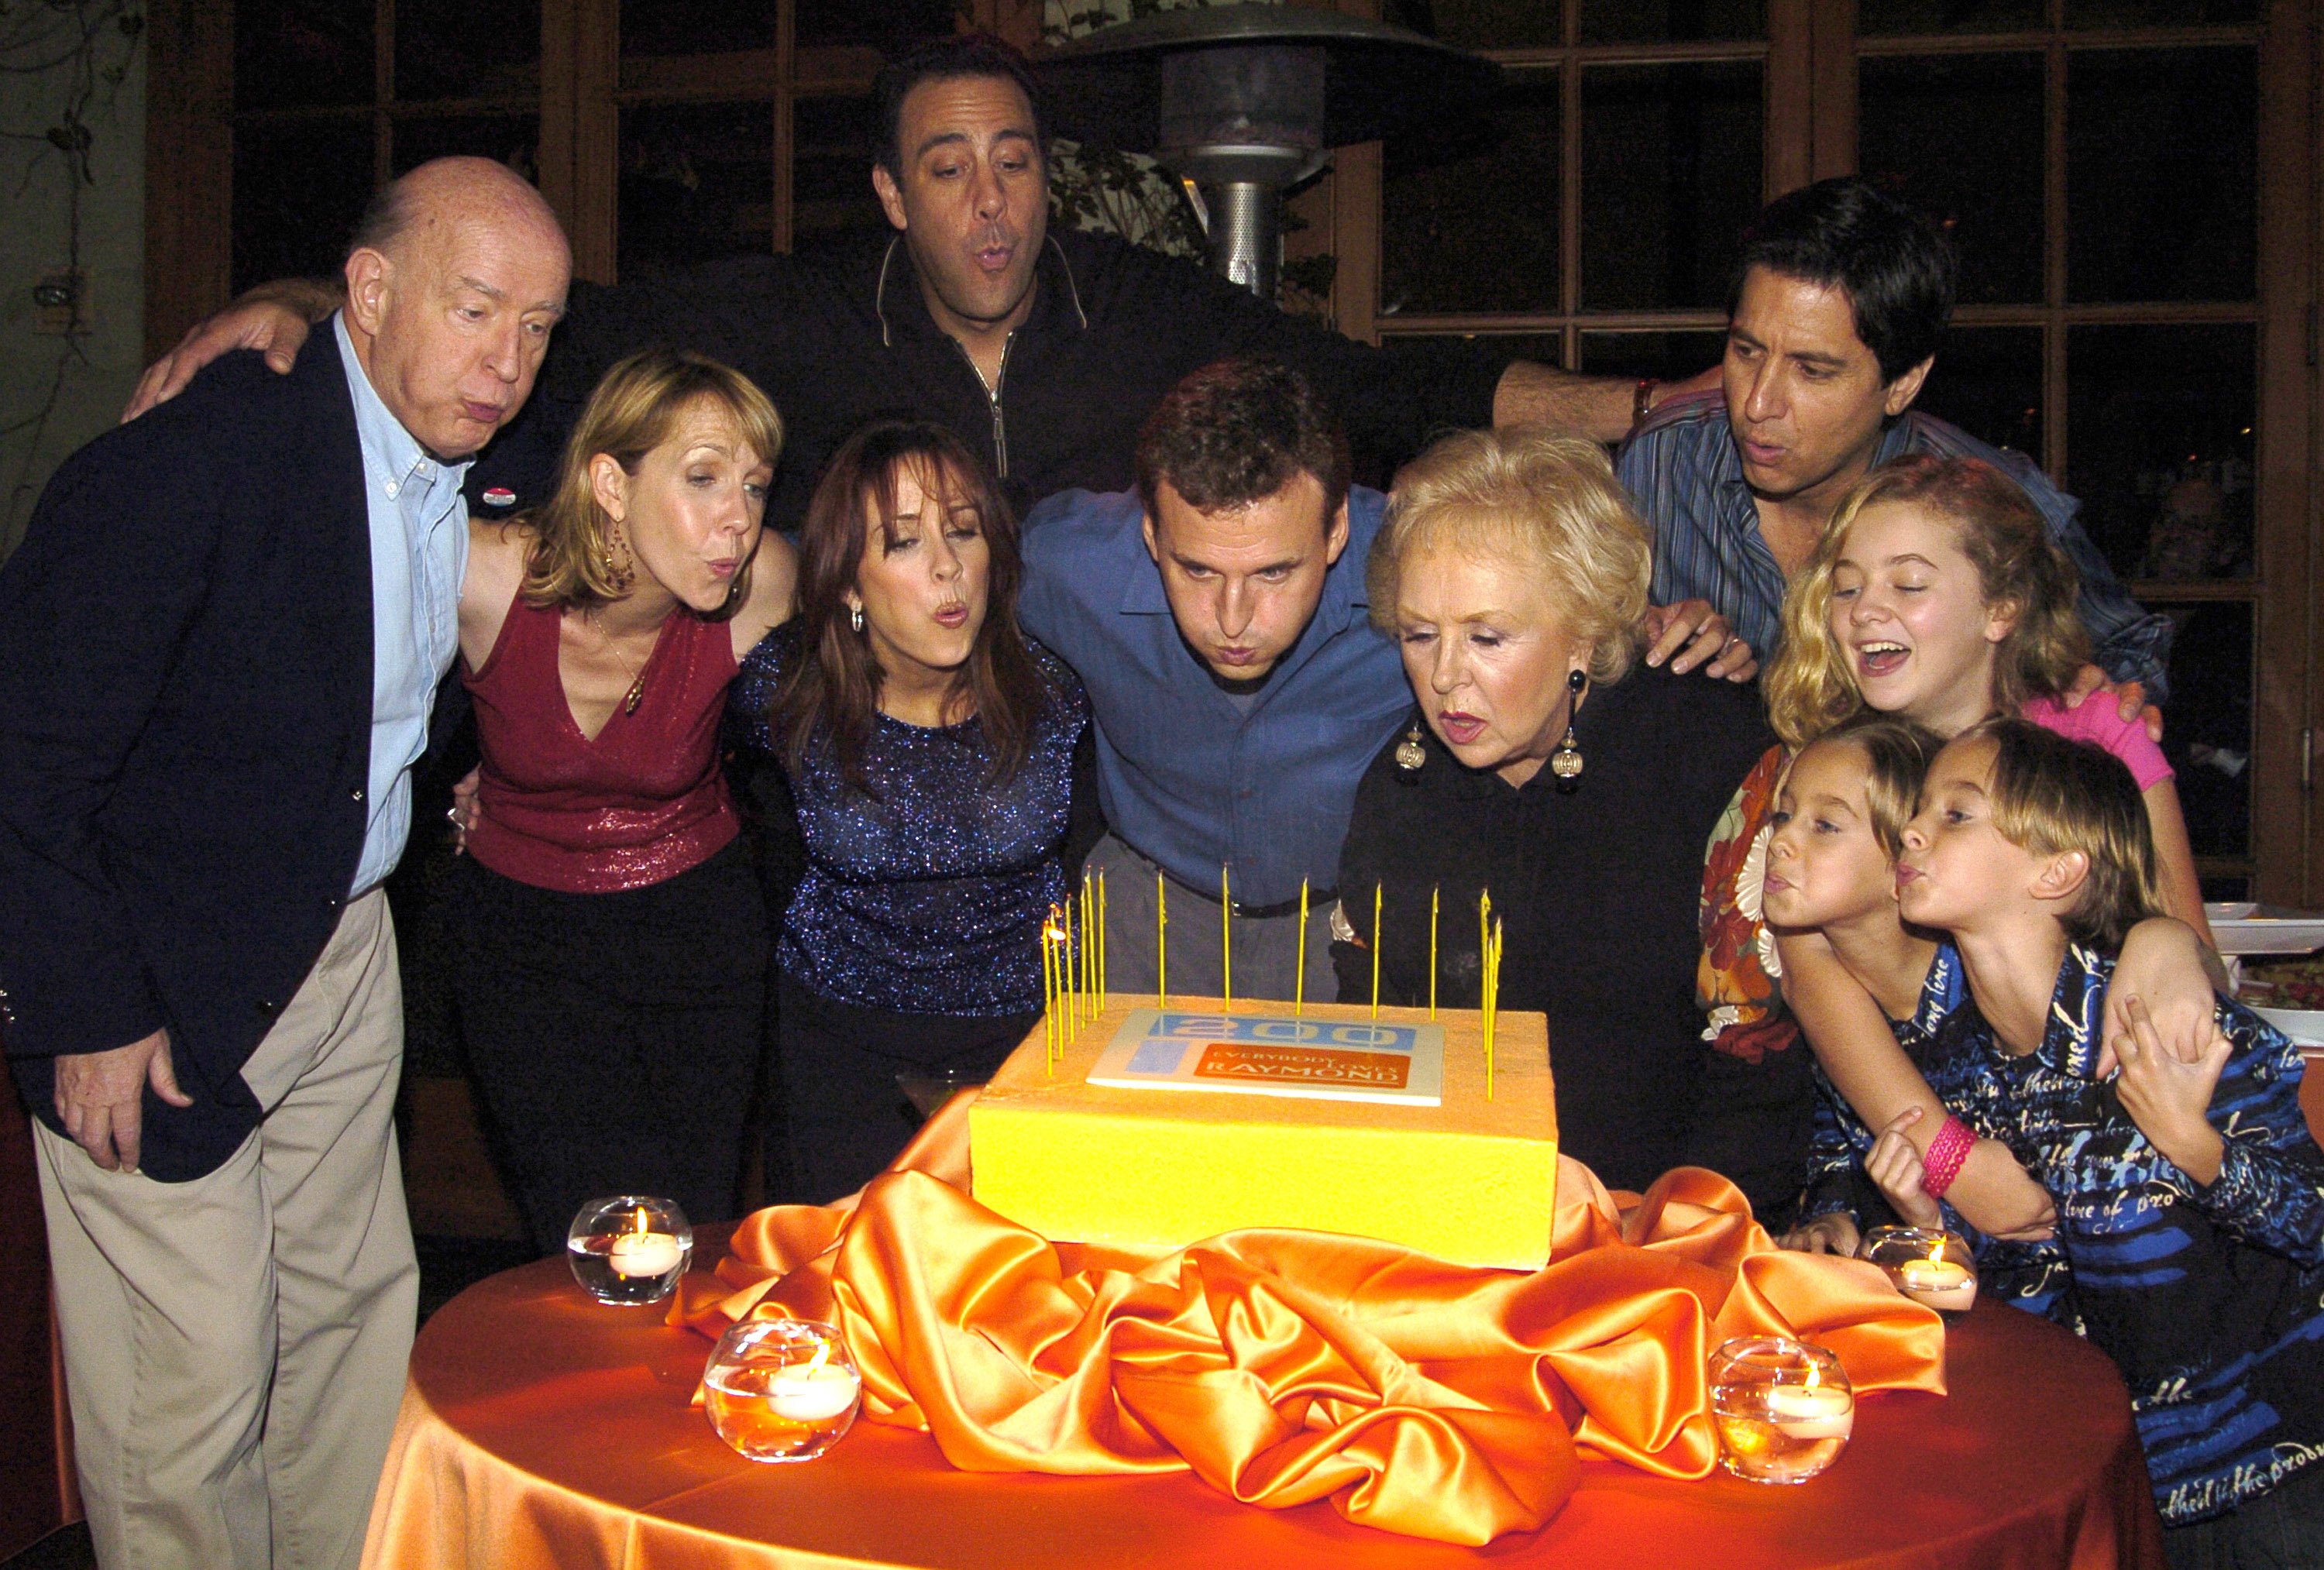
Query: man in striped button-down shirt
point(1841, 297)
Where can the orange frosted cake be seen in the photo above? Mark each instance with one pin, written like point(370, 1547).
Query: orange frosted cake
point(1417, 1154)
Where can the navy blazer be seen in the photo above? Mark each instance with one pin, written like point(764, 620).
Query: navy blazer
point(185, 732)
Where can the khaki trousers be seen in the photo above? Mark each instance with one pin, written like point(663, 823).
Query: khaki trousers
point(236, 1346)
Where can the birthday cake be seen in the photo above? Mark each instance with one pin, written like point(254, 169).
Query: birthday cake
point(1118, 1121)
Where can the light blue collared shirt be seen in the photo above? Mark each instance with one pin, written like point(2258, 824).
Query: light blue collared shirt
point(419, 554)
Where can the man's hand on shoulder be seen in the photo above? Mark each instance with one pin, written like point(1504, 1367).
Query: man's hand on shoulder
point(273, 317)
point(100, 1097)
point(1688, 633)
point(2129, 698)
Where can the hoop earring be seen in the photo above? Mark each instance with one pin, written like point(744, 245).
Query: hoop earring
point(619, 574)
point(856, 617)
point(1565, 763)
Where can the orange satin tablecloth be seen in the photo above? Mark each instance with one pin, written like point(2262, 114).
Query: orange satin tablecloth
point(540, 1428)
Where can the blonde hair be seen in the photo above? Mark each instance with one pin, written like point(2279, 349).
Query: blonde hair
point(1810, 686)
point(1550, 501)
point(633, 410)
point(2052, 795)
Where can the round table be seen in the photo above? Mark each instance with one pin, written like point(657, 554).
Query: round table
point(542, 1429)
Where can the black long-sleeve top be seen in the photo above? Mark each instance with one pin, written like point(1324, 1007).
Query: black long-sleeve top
point(1597, 893)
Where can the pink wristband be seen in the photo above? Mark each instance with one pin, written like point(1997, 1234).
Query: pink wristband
point(1947, 1151)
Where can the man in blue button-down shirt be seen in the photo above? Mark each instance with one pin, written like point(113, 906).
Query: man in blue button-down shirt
point(218, 645)
point(1218, 618)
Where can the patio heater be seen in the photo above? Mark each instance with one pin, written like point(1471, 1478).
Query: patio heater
point(1246, 100)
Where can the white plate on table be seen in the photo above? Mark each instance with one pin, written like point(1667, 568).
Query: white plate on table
point(2242, 927)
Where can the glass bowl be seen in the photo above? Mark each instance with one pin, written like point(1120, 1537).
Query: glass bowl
point(781, 1389)
point(1784, 1408)
point(629, 1249)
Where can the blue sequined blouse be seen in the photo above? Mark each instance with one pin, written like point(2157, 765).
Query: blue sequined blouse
point(926, 896)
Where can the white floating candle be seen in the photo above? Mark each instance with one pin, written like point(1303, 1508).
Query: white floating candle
point(1939, 1283)
point(813, 1393)
point(644, 1254)
point(1812, 1411)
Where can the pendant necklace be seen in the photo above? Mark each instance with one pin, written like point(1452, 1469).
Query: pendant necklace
point(636, 692)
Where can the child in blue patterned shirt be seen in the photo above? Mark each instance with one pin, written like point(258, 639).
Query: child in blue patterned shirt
point(2189, 1191)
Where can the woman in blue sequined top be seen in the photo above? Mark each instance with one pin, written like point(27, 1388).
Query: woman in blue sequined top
point(929, 747)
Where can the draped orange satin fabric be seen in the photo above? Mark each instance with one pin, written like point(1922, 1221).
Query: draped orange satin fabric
point(543, 1431)
point(1282, 1367)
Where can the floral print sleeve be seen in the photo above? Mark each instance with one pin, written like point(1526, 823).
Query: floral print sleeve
point(1736, 980)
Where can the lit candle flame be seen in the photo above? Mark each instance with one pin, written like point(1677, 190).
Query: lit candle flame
point(639, 1225)
point(1937, 1251)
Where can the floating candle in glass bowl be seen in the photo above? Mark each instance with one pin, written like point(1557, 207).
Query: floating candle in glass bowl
point(781, 1389)
point(629, 1249)
point(1930, 1267)
point(1783, 1409)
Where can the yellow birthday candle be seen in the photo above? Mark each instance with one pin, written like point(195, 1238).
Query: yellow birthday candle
point(1299, 976)
point(1089, 943)
point(1050, 987)
point(1101, 931)
point(1161, 944)
point(1226, 940)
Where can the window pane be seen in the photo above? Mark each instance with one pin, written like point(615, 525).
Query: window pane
point(2207, 735)
point(1901, 18)
point(2160, 157)
point(697, 26)
point(1548, 348)
point(1671, 171)
point(1470, 208)
point(290, 52)
point(1960, 137)
point(2159, 13)
point(514, 139)
point(1499, 23)
point(1988, 380)
point(831, 175)
point(467, 48)
point(891, 26)
point(1671, 356)
point(299, 187)
point(697, 182)
point(2159, 445)
point(1672, 21)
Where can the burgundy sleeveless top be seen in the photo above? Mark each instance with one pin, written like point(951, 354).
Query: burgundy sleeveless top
point(643, 802)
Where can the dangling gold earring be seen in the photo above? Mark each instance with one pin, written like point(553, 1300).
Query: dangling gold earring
point(619, 574)
point(856, 617)
point(1565, 763)
point(1409, 754)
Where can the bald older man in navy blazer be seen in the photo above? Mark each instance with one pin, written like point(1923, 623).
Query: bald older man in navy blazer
point(218, 646)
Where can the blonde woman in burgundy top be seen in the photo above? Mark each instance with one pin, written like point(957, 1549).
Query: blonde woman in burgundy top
point(610, 943)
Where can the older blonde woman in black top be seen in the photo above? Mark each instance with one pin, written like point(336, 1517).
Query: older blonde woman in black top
point(1546, 764)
